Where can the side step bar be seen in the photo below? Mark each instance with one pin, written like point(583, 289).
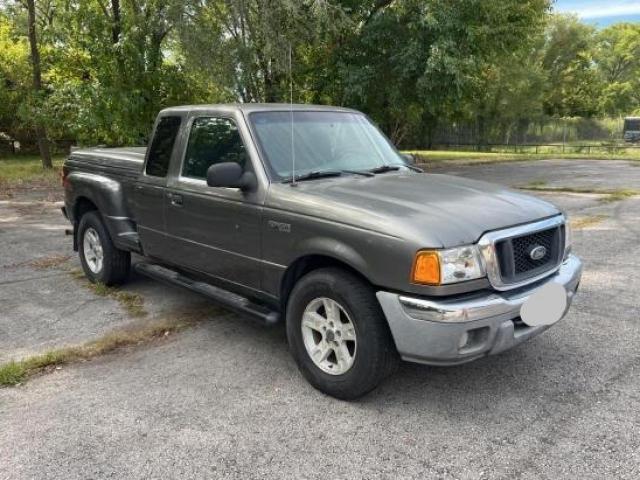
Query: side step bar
point(232, 301)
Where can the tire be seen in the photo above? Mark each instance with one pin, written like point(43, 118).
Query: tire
point(372, 353)
point(115, 264)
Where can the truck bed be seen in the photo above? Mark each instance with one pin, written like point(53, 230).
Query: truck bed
point(124, 161)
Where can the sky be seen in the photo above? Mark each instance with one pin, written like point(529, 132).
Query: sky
point(601, 12)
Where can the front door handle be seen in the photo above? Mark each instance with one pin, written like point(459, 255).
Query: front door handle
point(176, 199)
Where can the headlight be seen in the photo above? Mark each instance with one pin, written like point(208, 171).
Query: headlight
point(568, 238)
point(440, 267)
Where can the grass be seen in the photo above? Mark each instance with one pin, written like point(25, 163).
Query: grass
point(617, 195)
point(480, 158)
point(132, 303)
point(608, 195)
point(20, 169)
point(536, 184)
point(16, 372)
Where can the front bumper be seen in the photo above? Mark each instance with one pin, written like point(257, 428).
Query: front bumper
point(462, 329)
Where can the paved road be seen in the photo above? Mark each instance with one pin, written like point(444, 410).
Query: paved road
point(224, 399)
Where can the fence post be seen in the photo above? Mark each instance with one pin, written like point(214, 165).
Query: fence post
point(536, 149)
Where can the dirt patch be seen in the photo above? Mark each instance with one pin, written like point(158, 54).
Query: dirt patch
point(583, 223)
point(52, 261)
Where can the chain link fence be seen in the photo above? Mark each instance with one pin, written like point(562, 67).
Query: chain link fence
point(545, 135)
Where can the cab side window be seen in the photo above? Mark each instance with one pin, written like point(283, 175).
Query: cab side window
point(212, 140)
point(162, 146)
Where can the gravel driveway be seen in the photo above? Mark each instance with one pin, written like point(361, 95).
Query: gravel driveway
point(224, 399)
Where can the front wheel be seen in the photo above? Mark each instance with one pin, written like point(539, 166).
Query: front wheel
point(101, 261)
point(338, 335)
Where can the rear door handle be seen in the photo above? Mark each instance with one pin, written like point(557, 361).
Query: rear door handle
point(176, 199)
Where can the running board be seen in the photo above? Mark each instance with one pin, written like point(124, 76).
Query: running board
point(232, 301)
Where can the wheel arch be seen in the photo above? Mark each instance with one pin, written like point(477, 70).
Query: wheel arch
point(83, 205)
point(306, 264)
point(106, 196)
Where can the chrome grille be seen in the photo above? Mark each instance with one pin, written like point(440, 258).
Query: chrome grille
point(514, 254)
point(507, 253)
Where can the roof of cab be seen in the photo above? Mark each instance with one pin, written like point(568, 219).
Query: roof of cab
point(256, 107)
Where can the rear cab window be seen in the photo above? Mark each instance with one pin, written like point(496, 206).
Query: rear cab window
point(161, 146)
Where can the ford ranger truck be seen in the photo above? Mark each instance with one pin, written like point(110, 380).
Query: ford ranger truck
point(308, 215)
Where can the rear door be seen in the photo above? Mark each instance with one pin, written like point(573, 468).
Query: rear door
point(149, 190)
point(215, 230)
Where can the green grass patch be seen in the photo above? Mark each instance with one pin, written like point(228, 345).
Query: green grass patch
point(618, 195)
point(27, 172)
point(12, 373)
point(480, 158)
point(132, 303)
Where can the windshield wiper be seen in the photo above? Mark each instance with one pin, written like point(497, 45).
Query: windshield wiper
point(313, 175)
point(364, 173)
point(327, 173)
point(384, 169)
point(393, 168)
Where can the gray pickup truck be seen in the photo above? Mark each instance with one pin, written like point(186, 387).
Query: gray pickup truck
point(308, 215)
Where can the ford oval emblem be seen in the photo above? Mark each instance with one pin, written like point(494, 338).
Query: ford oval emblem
point(538, 252)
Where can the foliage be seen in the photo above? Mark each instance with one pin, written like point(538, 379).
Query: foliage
point(618, 58)
point(572, 78)
point(414, 66)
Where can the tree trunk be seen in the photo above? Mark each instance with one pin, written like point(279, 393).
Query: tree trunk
point(115, 21)
point(40, 131)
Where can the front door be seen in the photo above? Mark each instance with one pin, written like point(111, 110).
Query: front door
point(214, 230)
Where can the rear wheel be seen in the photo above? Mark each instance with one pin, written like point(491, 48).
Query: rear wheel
point(101, 261)
point(338, 335)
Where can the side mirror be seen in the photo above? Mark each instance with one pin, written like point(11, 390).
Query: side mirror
point(230, 174)
point(409, 158)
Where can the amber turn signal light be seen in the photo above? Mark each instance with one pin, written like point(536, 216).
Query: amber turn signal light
point(426, 268)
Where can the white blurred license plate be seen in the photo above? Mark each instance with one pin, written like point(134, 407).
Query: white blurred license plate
point(545, 306)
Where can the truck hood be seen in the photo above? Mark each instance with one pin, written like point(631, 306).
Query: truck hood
point(435, 210)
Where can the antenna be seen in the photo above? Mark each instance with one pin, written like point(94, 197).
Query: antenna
point(293, 147)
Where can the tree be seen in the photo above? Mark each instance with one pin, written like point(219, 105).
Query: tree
point(244, 45)
point(40, 130)
point(617, 55)
point(413, 64)
point(118, 67)
point(15, 81)
point(573, 85)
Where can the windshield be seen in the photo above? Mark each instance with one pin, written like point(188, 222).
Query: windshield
point(322, 141)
